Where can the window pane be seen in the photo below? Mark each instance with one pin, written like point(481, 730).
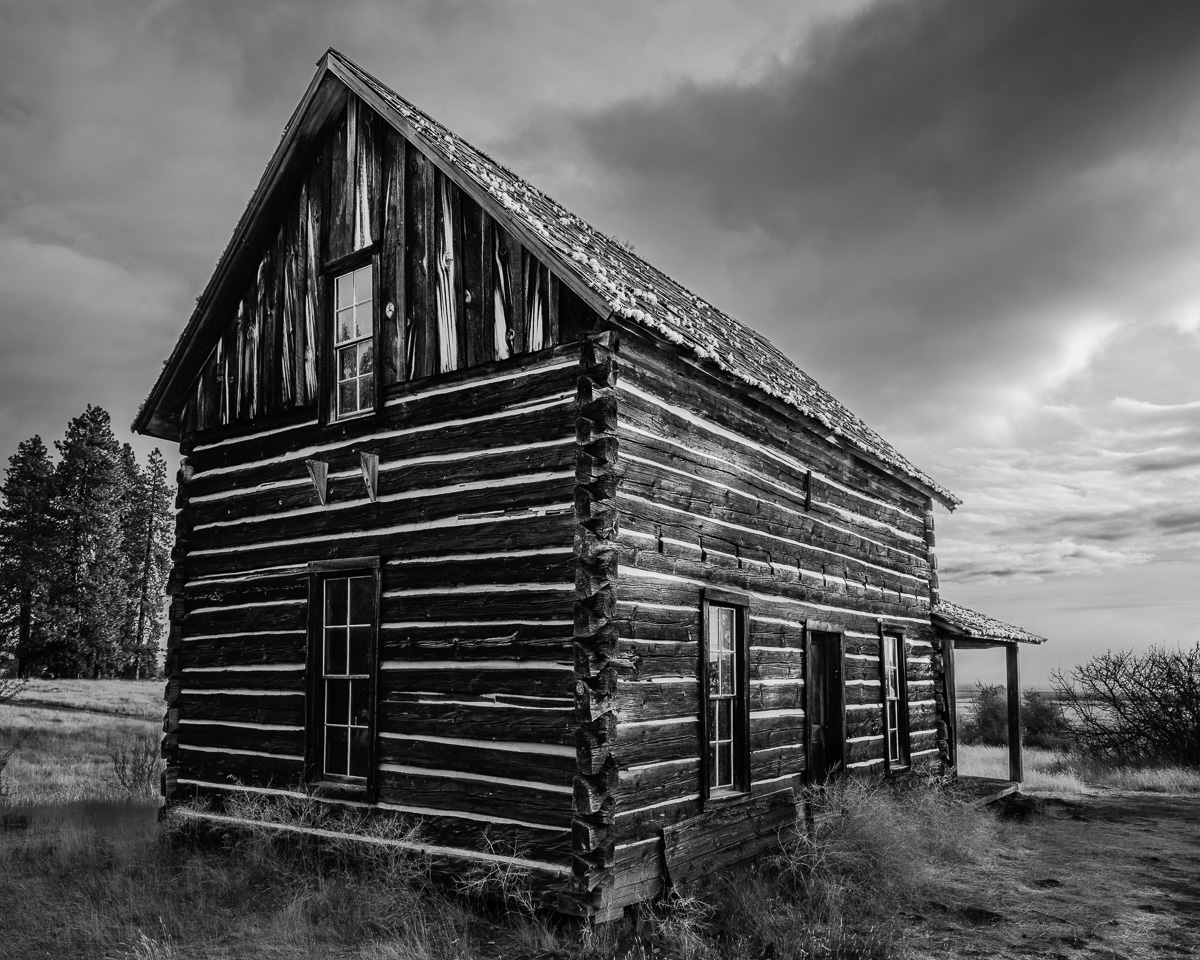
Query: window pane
point(723, 712)
point(347, 398)
point(366, 392)
point(346, 363)
point(363, 319)
point(337, 701)
point(335, 601)
point(360, 741)
point(360, 715)
point(335, 651)
point(360, 650)
point(335, 750)
point(712, 765)
point(726, 631)
point(345, 325)
point(714, 672)
point(345, 290)
point(362, 284)
point(366, 358)
point(362, 600)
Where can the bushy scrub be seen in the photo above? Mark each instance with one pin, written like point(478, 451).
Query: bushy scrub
point(1043, 724)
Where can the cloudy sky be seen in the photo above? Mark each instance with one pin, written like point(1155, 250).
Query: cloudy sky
point(977, 224)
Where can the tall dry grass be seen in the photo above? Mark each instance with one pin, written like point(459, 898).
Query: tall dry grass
point(103, 880)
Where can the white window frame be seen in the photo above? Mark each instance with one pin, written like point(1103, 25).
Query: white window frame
point(365, 386)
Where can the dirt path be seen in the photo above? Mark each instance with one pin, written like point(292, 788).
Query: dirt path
point(1110, 875)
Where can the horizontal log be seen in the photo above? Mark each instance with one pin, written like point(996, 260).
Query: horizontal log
point(203, 621)
point(415, 405)
point(533, 490)
point(640, 786)
point(701, 396)
point(636, 822)
point(242, 708)
point(830, 507)
point(497, 760)
point(401, 473)
point(261, 739)
point(269, 678)
point(290, 647)
point(795, 539)
point(756, 577)
point(532, 679)
point(776, 762)
point(658, 581)
point(482, 719)
point(543, 602)
point(486, 641)
point(729, 833)
point(515, 531)
point(290, 585)
point(440, 792)
point(240, 768)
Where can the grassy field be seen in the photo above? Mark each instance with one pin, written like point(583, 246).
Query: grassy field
point(1053, 771)
point(86, 871)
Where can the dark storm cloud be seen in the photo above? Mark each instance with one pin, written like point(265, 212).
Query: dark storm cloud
point(913, 106)
point(948, 193)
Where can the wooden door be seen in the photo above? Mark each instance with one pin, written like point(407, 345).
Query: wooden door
point(826, 705)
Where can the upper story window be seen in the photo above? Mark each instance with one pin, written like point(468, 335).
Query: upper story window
point(895, 700)
point(353, 339)
point(726, 702)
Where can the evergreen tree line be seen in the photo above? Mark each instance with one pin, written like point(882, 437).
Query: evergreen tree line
point(85, 549)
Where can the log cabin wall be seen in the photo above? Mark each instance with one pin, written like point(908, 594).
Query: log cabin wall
point(472, 522)
point(717, 489)
point(473, 456)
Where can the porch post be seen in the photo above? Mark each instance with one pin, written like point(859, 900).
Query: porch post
point(1016, 771)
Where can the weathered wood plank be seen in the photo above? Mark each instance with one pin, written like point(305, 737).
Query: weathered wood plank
point(451, 791)
point(728, 833)
point(393, 286)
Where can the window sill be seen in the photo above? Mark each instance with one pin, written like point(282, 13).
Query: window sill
point(726, 797)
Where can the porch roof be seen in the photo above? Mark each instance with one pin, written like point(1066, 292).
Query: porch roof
point(961, 621)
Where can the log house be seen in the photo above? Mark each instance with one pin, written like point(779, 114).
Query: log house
point(485, 521)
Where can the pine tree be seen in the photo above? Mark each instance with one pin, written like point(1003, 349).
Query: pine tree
point(154, 563)
point(27, 536)
point(134, 522)
point(88, 598)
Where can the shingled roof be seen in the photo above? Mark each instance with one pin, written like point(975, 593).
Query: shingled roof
point(979, 626)
point(624, 283)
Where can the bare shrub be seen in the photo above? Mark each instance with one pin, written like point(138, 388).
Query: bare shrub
point(500, 880)
point(136, 765)
point(1136, 709)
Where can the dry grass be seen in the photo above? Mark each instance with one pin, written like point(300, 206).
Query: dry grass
point(1053, 771)
point(125, 698)
point(62, 756)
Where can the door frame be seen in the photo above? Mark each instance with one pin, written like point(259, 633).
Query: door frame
point(837, 658)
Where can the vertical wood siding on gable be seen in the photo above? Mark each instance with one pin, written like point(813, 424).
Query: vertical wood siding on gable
point(440, 256)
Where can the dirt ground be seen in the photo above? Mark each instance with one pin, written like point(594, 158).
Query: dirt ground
point(1107, 875)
